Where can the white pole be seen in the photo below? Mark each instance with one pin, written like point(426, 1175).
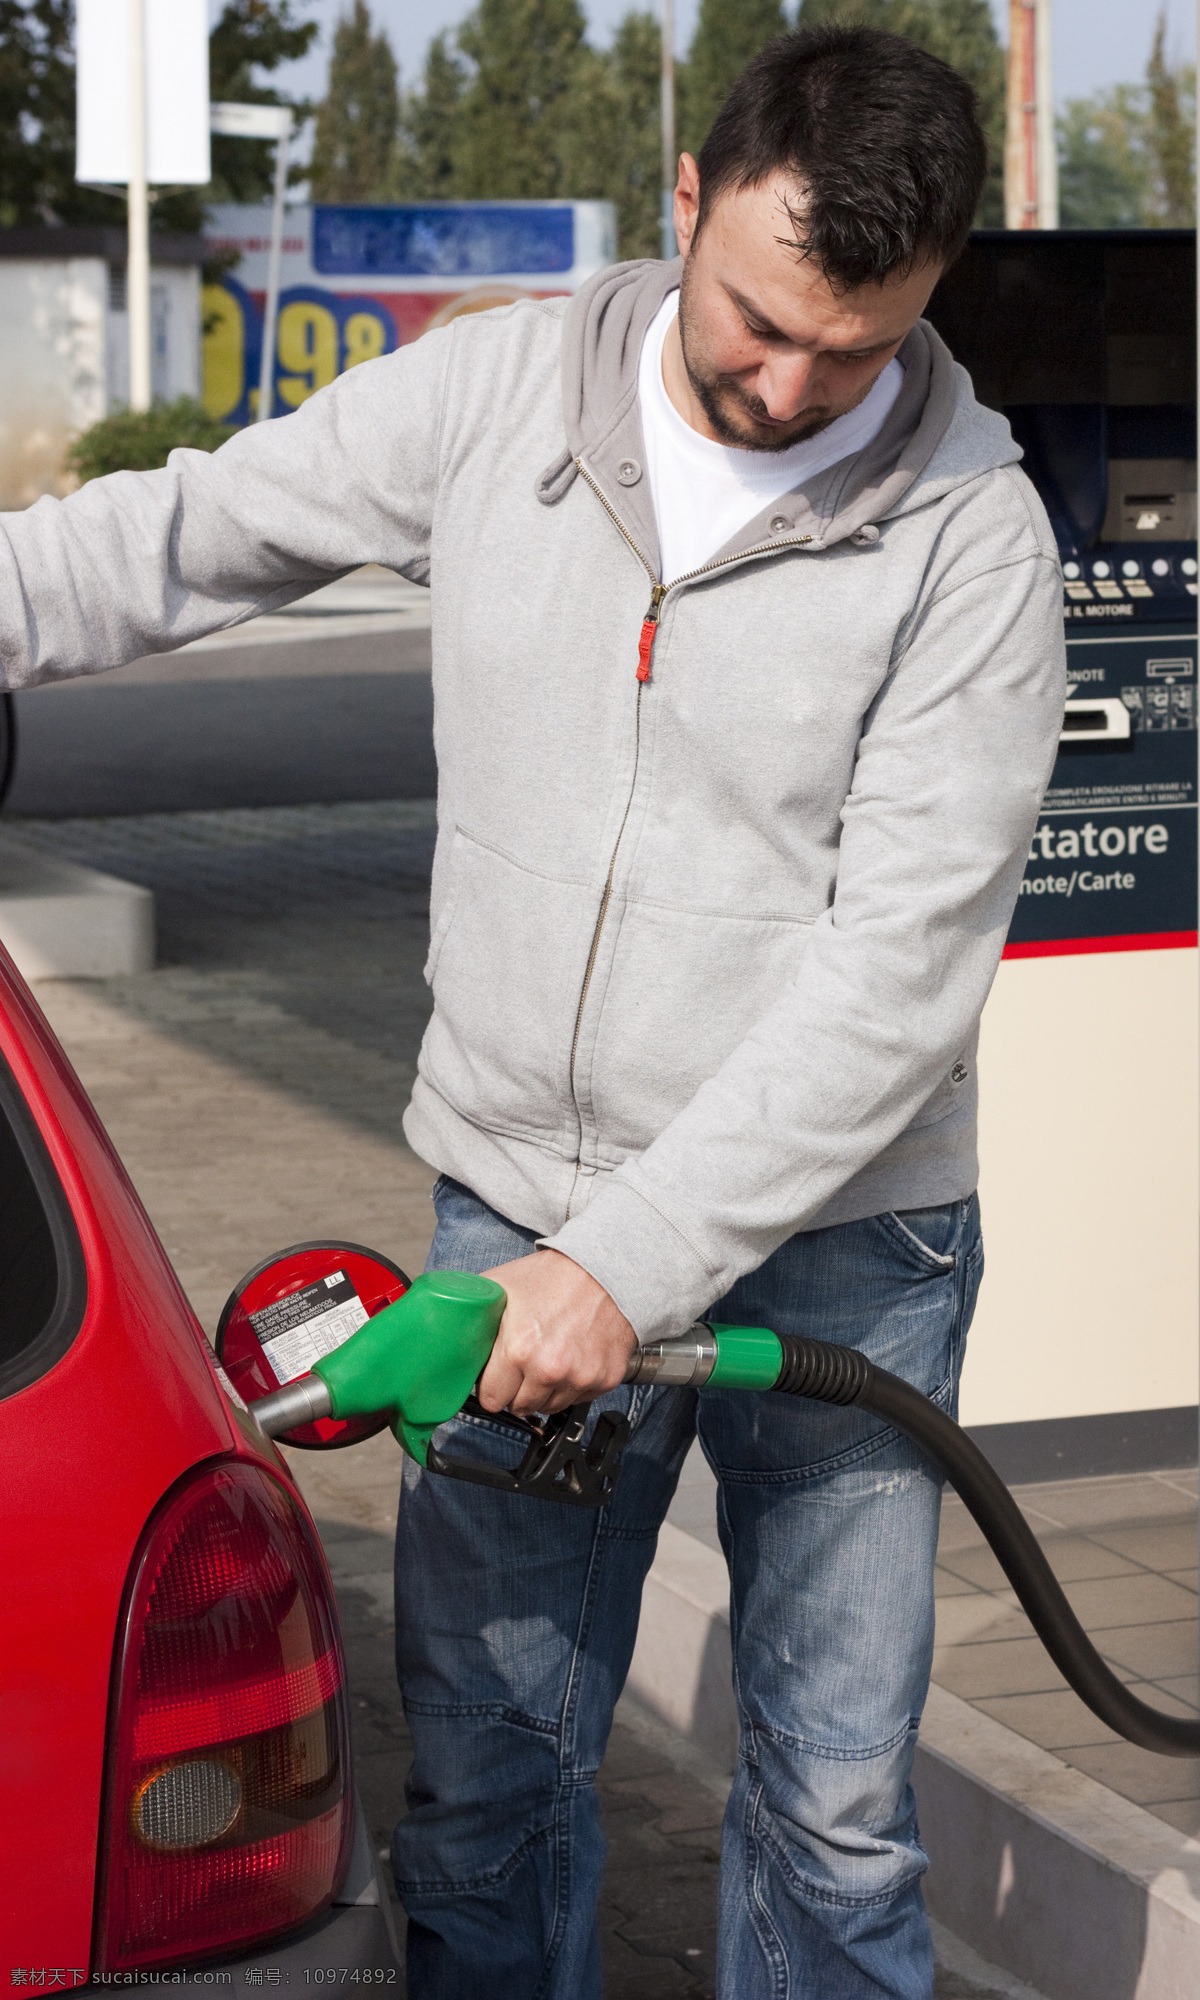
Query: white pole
point(266, 373)
point(670, 247)
point(1047, 148)
point(137, 270)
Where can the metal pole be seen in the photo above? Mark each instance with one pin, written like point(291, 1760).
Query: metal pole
point(137, 269)
point(1020, 147)
point(1047, 147)
point(266, 372)
point(670, 247)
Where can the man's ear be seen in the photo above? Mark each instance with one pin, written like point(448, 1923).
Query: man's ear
point(687, 203)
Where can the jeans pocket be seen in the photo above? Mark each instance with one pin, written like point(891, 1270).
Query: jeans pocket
point(928, 1236)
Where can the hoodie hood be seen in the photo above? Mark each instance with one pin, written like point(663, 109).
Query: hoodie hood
point(936, 435)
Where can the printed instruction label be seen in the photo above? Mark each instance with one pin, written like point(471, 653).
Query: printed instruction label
point(295, 1332)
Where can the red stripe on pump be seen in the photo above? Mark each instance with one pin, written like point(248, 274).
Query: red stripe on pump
point(1137, 941)
point(164, 1727)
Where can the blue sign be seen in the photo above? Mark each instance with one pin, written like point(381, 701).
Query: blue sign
point(1113, 862)
point(445, 240)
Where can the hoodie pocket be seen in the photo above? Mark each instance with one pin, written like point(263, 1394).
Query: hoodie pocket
point(504, 965)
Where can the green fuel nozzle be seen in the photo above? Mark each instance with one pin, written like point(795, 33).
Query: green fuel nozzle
point(418, 1360)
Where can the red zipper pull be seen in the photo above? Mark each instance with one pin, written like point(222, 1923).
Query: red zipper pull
point(649, 633)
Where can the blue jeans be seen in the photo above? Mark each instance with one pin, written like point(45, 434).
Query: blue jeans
point(515, 1623)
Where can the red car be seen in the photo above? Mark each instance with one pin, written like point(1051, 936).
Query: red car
point(173, 1731)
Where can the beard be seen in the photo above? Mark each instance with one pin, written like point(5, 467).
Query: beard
point(738, 418)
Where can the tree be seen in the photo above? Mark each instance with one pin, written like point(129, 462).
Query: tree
point(523, 57)
point(1125, 155)
point(728, 33)
point(354, 151)
point(1102, 178)
point(37, 118)
point(426, 167)
point(251, 35)
point(1170, 137)
point(960, 32)
point(634, 163)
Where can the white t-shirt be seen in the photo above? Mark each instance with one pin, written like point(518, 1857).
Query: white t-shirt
point(704, 492)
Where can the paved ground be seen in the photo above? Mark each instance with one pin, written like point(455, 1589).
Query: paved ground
point(253, 1084)
point(324, 703)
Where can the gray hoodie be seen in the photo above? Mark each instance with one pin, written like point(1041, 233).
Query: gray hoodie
point(709, 949)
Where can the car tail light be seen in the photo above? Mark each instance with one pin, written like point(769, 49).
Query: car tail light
point(227, 1814)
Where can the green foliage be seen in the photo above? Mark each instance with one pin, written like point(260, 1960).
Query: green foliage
point(251, 35)
point(354, 154)
point(1102, 168)
point(960, 32)
point(1170, 136)
point(37, 114)
point(139, 440)
point(1125, 155)
point(427, 170)
point(522, 56)
point(728, 33)
point(632, 162)
point(37, 119)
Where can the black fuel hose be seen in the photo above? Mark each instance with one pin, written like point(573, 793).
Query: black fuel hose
point(833, 1374)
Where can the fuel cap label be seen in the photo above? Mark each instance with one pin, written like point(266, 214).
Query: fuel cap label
point(295, 1332)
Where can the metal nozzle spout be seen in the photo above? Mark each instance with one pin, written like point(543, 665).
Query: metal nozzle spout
point(296, 1403)
point(677, 1364)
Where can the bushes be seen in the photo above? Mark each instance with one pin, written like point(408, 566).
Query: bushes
point(139, 440)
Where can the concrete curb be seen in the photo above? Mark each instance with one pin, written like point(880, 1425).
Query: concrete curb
point(1039, 1868)
point(59, 921)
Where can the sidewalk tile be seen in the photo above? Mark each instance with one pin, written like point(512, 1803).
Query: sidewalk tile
point(1003, 1666)
point(1056, 1721)
point(1164, 1545)
point(1150, 1652)
point(1128, 1600)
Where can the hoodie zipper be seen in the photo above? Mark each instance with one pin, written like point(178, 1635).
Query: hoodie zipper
point(646, 640)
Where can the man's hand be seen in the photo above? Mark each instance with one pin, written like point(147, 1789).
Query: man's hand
point(561, 1341)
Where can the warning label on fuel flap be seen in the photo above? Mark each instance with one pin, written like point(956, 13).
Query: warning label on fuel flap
point(295, 1332)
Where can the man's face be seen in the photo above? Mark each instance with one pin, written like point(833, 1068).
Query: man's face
point(772, 353)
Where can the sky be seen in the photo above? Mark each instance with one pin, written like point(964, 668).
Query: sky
point(1096, 42)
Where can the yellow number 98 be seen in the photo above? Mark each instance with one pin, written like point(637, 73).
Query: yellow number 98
point(308, 345)
point(364, 336)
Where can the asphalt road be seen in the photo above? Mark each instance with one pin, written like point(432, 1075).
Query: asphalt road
point(307, 722)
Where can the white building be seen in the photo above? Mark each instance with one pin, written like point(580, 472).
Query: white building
point(64, 342)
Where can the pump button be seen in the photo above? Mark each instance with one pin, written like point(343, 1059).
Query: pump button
point(1071, 571)
point(1131, 569)
point(1161, 567)
point(1188, 565)
point(1101, 569)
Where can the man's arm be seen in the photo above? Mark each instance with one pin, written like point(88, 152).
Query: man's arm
point(949, 779)
point(142, 562)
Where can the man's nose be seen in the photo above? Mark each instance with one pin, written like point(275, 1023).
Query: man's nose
point(785, 384)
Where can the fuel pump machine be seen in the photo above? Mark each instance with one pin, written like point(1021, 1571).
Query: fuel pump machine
point(1085, 1349)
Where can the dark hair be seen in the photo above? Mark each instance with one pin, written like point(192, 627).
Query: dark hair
point(884, 139)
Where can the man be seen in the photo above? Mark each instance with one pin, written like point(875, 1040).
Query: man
point(749, 672)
